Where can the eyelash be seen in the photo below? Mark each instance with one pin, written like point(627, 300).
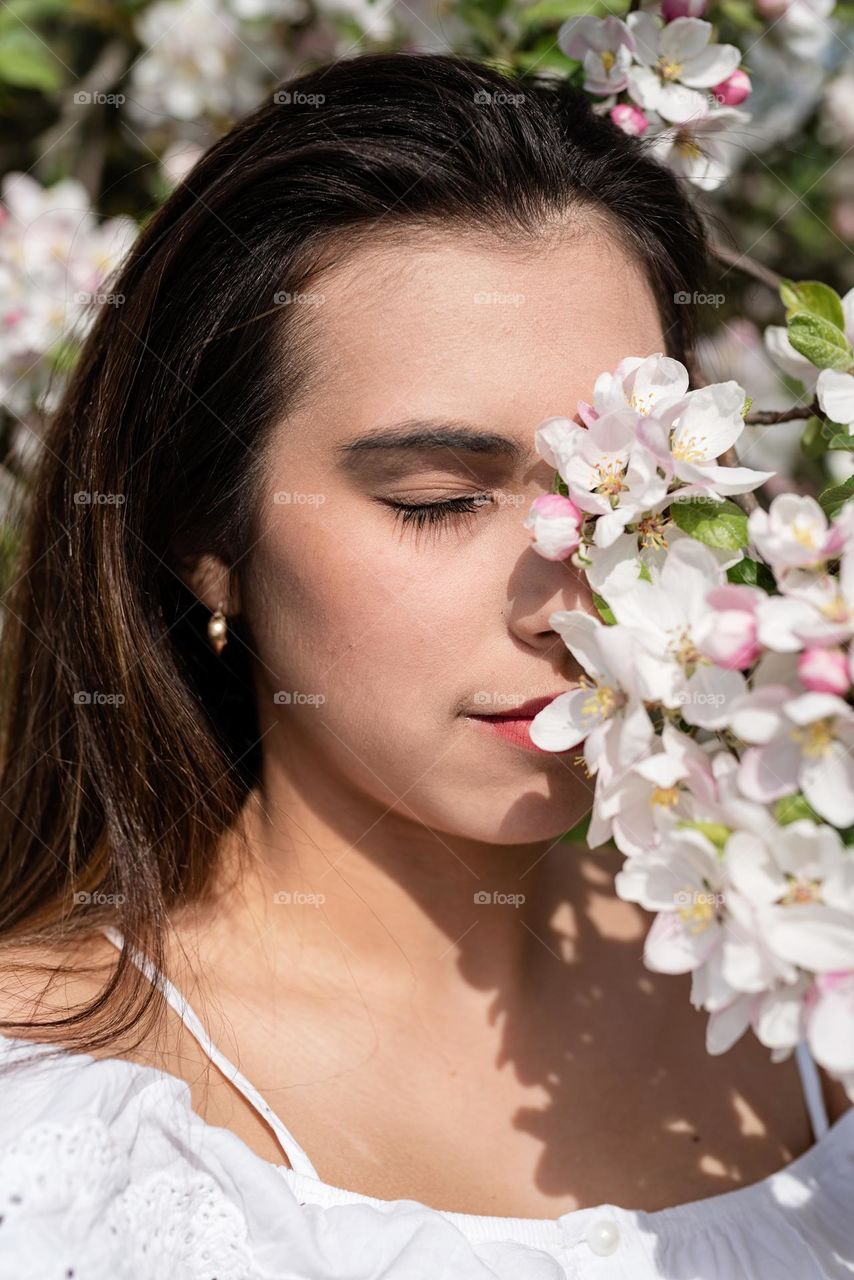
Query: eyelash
point(436, 514)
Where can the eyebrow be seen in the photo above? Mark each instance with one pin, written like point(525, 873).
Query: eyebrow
point(433, 434)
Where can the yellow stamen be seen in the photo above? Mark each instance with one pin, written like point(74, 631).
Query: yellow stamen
point(601, 703)
point(651, 531)
point(667, 797)
point(815, 739)
point(690, 449)
point(669, 70)
point(801, 891)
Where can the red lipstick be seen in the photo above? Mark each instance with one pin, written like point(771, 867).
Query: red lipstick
point(514, 724)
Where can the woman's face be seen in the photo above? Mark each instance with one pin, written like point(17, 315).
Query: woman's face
point(374, 637)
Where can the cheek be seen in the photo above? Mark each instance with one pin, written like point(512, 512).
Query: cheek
point(375, 618)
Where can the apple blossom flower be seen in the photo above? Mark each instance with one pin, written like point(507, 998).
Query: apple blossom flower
point(604, 46)
point(605, 711)
point(829, 1018)
point(728, 634)
point(733, 91)
point(676, 59)
point(607, 472)
point(794, 532)
point(629, 118)
point(555, 524)
point(696, 148)
point(683, 882)
point(666, 616)
point(824, 670)
point(802, 743)
point(648, 385)
point(687, 439)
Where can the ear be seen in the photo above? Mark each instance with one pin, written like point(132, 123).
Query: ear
point(211, 581)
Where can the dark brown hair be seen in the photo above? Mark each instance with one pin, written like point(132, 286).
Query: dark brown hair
point(128, 748)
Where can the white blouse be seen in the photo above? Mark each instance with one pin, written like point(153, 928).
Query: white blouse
point(107, 1173)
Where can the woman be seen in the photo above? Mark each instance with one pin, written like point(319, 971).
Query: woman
point(275, 605)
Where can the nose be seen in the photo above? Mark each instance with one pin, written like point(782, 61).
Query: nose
point(537, 589)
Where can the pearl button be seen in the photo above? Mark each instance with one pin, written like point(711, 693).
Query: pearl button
point(603, 1236)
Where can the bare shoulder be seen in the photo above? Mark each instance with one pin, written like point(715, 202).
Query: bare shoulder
point(39, 981)
point(835, 1097)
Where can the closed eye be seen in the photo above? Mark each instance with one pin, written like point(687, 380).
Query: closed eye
point(436, 514)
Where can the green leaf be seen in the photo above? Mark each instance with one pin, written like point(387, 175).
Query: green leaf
point(549, 12)
point(714, 831)
point(751, 573)
point(578, 833)
point(559, 486)
point(813, 440)
point(793, 808)
point(835, 498)
point(717, 524)
point(814, 297)
point(25, 61)
point(821, 341)
point(837, 436)
point(604, 609)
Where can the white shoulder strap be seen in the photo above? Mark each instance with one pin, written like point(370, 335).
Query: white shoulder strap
point(811, 1083)
point(298, 1159)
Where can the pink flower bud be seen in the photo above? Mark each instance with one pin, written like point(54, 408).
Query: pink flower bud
point(671, 9)
point(731, 640)
point(555, 525)
point(630, 119)
point(824, 670)
point(734, 89)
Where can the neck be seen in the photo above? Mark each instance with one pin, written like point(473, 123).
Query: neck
point(381, 900)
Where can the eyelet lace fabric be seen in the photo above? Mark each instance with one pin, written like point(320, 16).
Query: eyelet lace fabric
point(107, 1173)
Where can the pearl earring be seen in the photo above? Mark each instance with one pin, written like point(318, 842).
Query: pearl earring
point(217, 628)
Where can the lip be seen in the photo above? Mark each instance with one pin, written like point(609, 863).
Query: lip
point(514, 726)
point(525, 710)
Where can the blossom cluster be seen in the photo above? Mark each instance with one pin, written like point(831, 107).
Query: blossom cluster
point(55, 261)
point(713, 705)
point(662, 75)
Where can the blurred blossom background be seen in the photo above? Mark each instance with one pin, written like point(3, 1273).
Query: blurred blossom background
point(107, 104)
